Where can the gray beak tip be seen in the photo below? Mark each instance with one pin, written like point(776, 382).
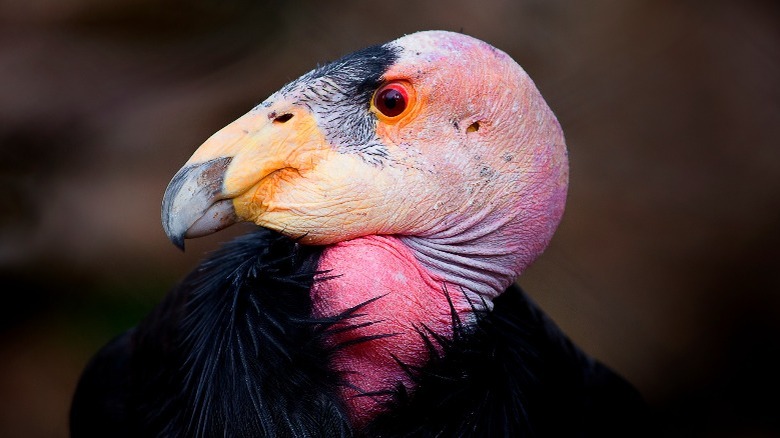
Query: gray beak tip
point(178, 242)
point(192, 205)
point(176, 238)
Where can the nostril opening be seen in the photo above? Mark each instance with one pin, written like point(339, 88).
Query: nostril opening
point(283, 118)
point(474, 127)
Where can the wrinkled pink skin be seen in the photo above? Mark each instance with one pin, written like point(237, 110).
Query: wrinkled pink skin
point(491, 202)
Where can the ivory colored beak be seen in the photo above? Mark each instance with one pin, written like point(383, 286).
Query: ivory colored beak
point(233, 175)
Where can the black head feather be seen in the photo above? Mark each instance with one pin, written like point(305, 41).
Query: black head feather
point(339, 94)
point(231, 352)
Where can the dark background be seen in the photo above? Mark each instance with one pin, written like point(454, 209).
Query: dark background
point(665, 266)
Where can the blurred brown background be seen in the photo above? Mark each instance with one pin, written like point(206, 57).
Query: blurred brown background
point(666, 264)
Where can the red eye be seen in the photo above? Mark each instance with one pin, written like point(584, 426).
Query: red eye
point(391, 99)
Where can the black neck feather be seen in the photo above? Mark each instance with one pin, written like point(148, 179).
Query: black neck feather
point(233, 351)
point(245, 357)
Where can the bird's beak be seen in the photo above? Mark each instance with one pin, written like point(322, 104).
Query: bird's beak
point(234, 174)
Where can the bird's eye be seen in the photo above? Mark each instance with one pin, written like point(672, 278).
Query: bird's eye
point(391, 99)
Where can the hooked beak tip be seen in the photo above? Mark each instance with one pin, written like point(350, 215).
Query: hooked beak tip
point(193, 204)
point(177, 241)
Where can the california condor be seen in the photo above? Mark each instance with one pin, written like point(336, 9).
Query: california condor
point(399, 192)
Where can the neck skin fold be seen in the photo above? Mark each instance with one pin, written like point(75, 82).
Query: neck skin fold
point(416, 283)
point(478, 255)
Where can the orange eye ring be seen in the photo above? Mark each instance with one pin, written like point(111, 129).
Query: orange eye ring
point(392, 100)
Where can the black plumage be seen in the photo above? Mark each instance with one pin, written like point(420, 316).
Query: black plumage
point(233, 351)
